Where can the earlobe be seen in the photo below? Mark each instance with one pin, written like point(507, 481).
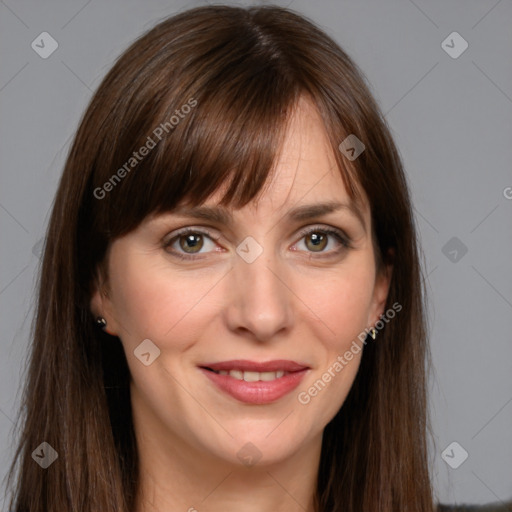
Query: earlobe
point(101, 309)
point(381, 291)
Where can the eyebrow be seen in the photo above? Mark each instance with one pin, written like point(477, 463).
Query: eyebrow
point(298, 214)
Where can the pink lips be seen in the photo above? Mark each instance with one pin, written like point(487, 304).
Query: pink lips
point(257, 392)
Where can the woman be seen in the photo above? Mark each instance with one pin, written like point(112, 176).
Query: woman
point(231, 310)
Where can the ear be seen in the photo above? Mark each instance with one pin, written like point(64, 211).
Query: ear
point(380, 293)
point(101, 305)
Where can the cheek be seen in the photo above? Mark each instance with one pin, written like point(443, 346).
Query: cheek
point(342, 302)
point(151, 301)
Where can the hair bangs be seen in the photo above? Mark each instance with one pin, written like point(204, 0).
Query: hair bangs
point(223, 131)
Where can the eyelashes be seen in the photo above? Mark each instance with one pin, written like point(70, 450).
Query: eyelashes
point(188, 234)
point(194, 239)
point(341, 238)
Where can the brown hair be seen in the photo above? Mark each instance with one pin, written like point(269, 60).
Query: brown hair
point(241, 71)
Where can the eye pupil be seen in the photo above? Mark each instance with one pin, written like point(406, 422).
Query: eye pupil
point(192, 241)
point(318, 240)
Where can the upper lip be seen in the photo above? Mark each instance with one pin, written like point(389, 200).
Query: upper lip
point(248, 366)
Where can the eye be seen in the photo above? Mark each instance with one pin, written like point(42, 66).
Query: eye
point(317, 239)
point(190, 241)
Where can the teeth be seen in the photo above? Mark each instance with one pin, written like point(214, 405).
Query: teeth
point(237, 374)
point(253, 376)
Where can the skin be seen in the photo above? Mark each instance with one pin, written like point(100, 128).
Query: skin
point(296, 301)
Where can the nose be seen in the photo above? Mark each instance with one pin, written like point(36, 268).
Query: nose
point(260, 301)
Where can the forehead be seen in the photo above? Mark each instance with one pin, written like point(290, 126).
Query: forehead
point(305, 170)
point(306, 167)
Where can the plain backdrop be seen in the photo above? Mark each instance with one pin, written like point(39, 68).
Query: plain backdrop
point(451, 116)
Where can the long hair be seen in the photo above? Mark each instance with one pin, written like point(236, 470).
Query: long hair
point(208, 93)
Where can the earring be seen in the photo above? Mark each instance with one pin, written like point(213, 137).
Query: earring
point(373, 333)
point(101, 322)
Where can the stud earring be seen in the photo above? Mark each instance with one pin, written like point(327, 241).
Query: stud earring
point(101, 322)
point(373, 333)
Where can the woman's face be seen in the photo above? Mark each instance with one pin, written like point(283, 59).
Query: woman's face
point(270, 296)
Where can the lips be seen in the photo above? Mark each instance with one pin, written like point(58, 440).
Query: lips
point(253, 382)
point(244, 365)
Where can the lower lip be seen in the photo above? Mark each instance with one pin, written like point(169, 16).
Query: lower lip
point(260, 392)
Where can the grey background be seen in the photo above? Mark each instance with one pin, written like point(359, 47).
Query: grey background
point(451, 119)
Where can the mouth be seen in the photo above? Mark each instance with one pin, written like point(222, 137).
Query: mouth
point(255, 383)
point(251, 376)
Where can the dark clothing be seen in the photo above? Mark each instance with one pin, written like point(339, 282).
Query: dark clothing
point(495, 507)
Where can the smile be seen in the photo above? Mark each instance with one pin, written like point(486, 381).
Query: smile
point(255, 383)
point(252, 376)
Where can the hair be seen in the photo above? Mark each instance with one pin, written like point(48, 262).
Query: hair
point(241, 71)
